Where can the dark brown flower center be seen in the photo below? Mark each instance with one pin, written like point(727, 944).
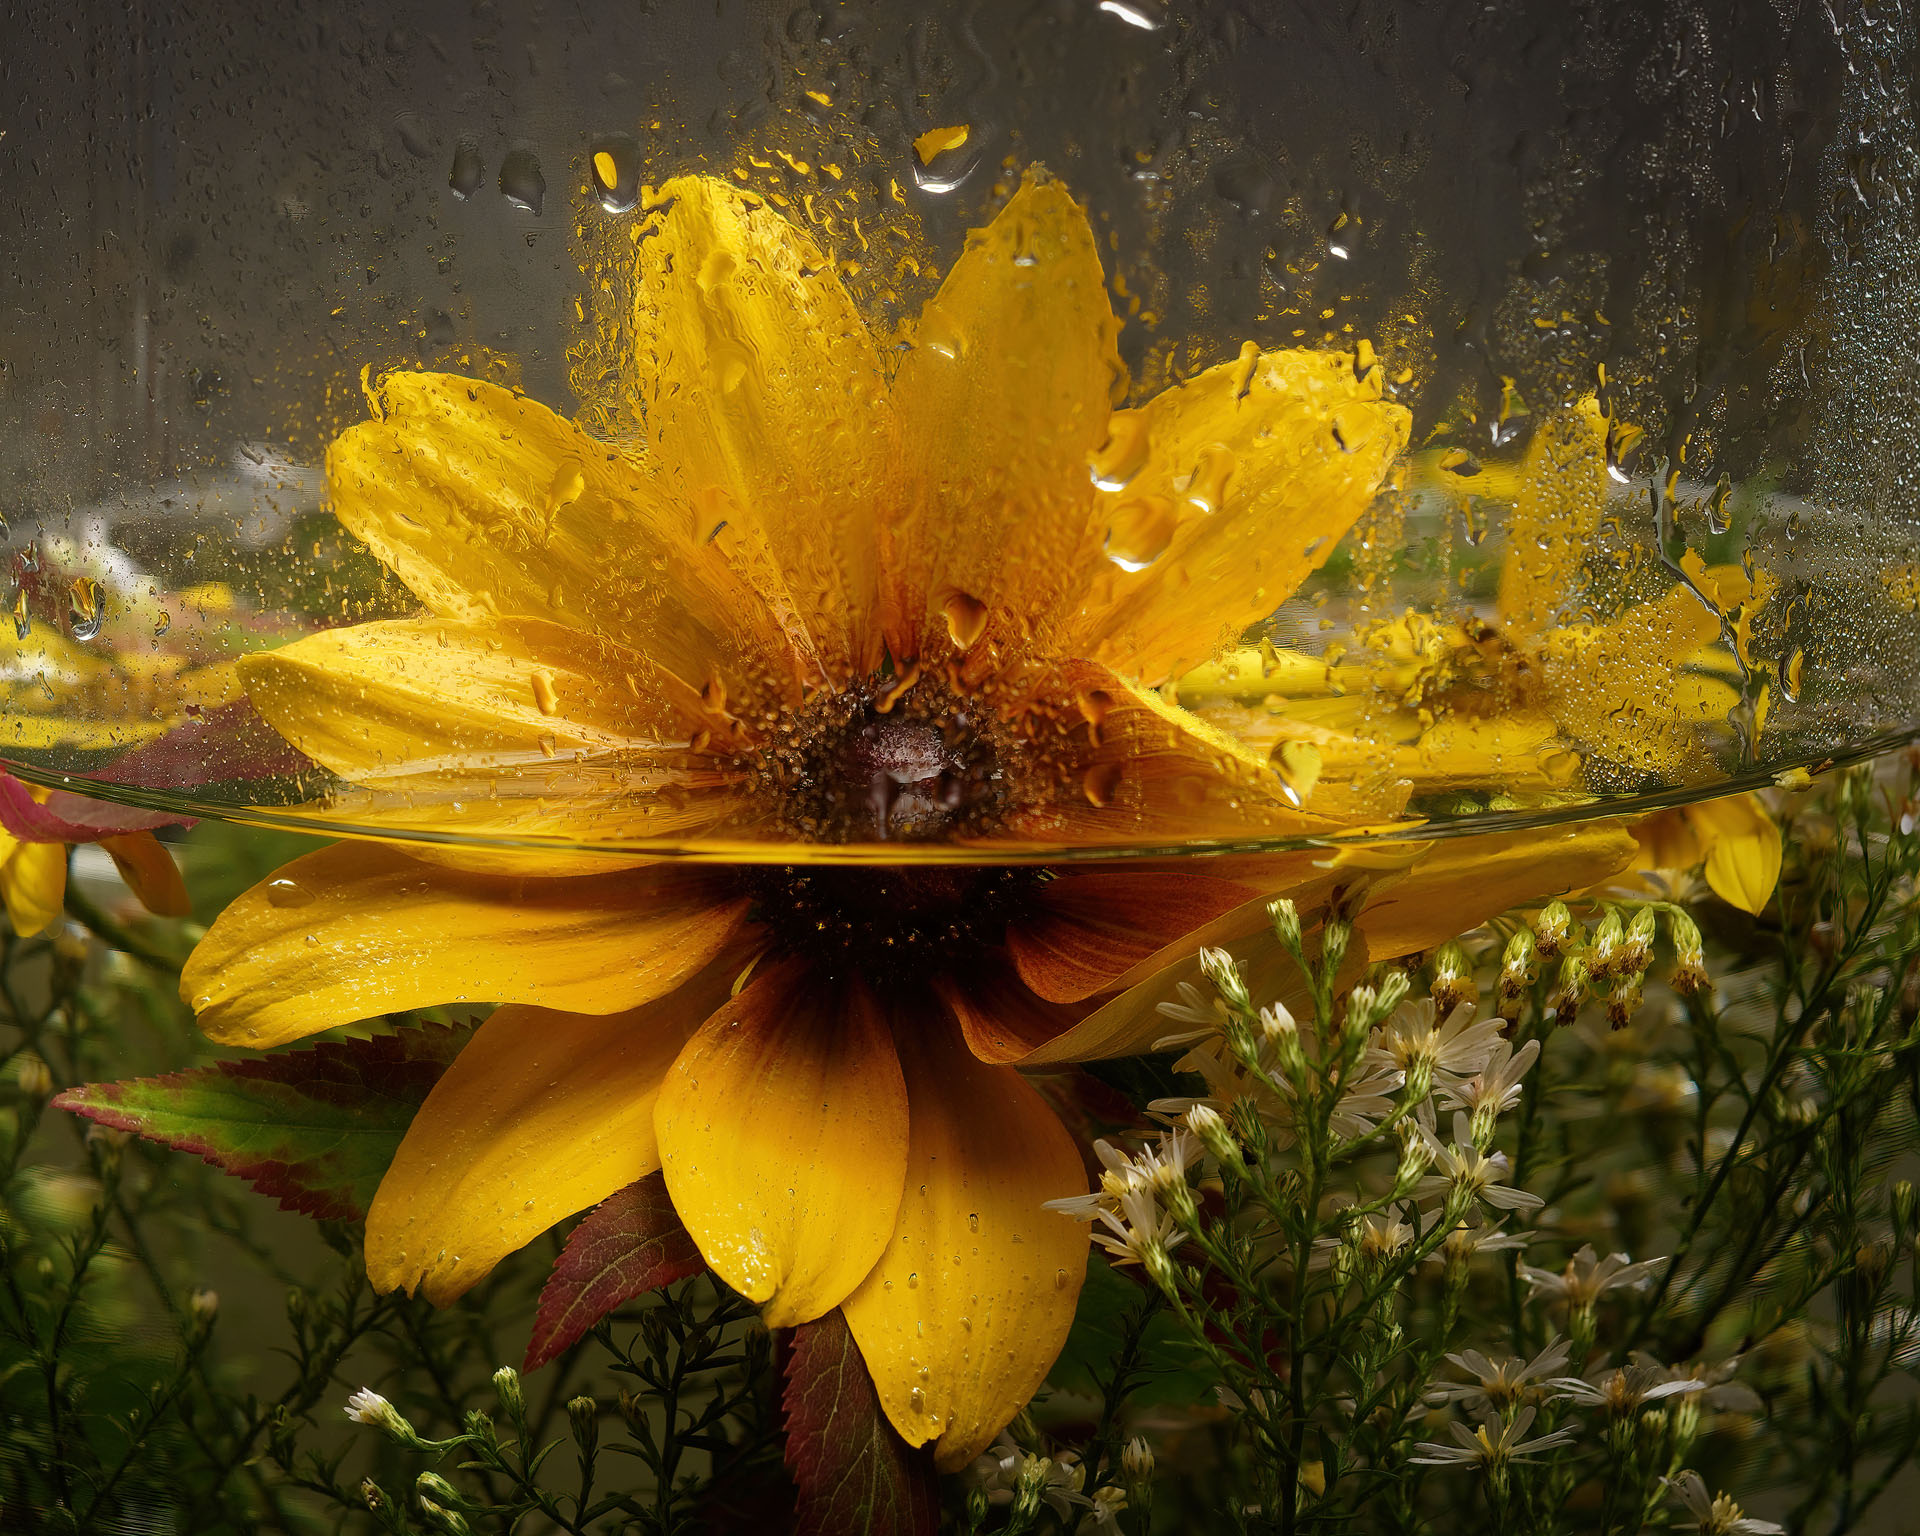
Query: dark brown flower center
point(896, 925)
point(879, 763)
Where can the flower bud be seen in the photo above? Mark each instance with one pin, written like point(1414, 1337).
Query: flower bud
point(1215, 1134)
point(431, 1485)
point(369, 1407)
point(1637, 948)
point(1389, 995)
point(1286, 923)
point(1219, 968)
point(1570, 990)
point(1136, 1461)
point(1452, 978)
point(372, 1495)
point(443, 1519)
point(203, 1306)
point(506, 1387)
point(1283, 1035)
point(584, 1413)
point(1623, 1001)
point(1551, 925)
point(1603, 955)
point(1516, 967)
point(1689, 954)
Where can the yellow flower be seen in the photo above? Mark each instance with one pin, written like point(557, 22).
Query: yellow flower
point(833, 602)
point(1735, 838)
point(33, 866)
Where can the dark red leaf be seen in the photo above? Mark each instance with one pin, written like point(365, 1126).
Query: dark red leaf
point(227, 745)
point(71, 818)
point(316, 1128)
point(853, 1470)
point(630, 1242)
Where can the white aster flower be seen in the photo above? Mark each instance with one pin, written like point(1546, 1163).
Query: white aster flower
point(1626, 1389)
point(1716, 1514)
point(1459, 1045)
point(1491, 1445)
point(1495, 1088)
point(1461, 1166)
point(1497, 1384)
point(1587, 1277)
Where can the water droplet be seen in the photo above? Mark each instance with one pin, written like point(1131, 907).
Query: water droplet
point(913, 1280)
point(1101, 783)
point(943, 158)
point(569, 484)
point(414, 136)
point(521, 182)
point(1457, 461)
point(283, 892)
point(616, 174)
point(86, 608)
point(1791, 675)
point(1207, 490)
point(940, 334)
point(917, 1400)
point(938, 141)
point(973, 1221)
point(22, 619)
point(1298, 764)
point(1141, 529)
point(468, 172)
point(162, 624)
point(1060, 1279)
point(1147, 15)
point(966, 620)
point(544, 696)
point(1719, 518)
point(1125, 452)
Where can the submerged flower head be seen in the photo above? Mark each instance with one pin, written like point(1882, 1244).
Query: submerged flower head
point(1492, 1445)
point(881, 623)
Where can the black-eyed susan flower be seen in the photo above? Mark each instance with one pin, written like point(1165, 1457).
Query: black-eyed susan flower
point(896, 622)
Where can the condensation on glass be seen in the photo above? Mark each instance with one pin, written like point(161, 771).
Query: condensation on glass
point(1640, 275)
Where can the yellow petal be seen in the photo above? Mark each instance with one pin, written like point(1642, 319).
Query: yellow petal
point(1256, 467)
point(542, 1114)
point(760, 384)
point(783, 1135)
point(965, 1312)
point(1563, 495)
point(1667, 840)
point(1743, 849)
point(1134, 770)
point(33, 885)
point(436, 695)
point(486, 504)
point(150, 873)
point(1461, 882)
point(1088, 930)
point(360, 929)
point(1001, 400)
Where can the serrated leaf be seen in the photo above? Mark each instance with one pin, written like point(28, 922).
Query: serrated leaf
point(630, 1242)
point(852, 1469)
point(316, 1129)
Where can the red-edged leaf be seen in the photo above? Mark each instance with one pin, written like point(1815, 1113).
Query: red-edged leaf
point(69, 818)
point(630, 1242)
point(852, 1469)
point(230, 744)
point(316, 1128)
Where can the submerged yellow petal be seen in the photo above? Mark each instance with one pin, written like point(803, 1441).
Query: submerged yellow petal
point(783, 1135)
point(1246, 478)
point(33, 884)
point(431, 695)
point(1461, 882)
point(542, 1114)
point(761, 388)
point(150, 873)
point(1743, 849)
point(360, 929)
point(1002, 399)
point(972, 1299)
point(486, 503)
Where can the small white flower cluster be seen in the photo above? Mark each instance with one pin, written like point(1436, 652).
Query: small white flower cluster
point(1007, 1475)
point(1132, 1202)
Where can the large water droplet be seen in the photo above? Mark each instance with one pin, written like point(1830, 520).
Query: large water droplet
point(1207, 490)
point(616, 174)
point(86, 608)
point(283, 892)
point(966, 620)
point(1125, 452)
point(521, 182)
point(468, 172)
point(1141, 529)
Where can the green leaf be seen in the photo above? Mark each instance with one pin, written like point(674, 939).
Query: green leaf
point(1172, 1369)
point(314, 1128)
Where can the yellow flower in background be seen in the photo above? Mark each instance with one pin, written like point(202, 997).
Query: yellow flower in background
point(836, 600)
point(33, 864)
point(1735, 839)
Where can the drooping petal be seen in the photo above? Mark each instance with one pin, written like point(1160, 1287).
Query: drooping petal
point(1743, 849)
point(33, 884)
point(1003, 397)
point(1000, 1018)
point(436, 695)
point(1461, 882)
point(1133, 770)
point(972, 1299)
point(360, 929)
point(1087, 930)
point(762, 389)
point(150, 873)
point(1245, 479)
point(783, 1135)
point(1562, 497)
point(487, 504)
point(542, 1114)
point(1667, 840)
